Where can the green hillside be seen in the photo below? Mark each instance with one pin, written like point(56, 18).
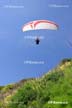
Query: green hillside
point(52, 90)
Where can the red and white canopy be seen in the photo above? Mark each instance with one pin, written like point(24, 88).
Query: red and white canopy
point(40, 24)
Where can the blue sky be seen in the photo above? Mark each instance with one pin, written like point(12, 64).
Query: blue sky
point(14, 49)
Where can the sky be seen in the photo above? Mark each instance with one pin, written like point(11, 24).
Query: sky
point(15, 49)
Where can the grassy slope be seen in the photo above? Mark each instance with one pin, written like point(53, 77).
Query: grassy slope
point(45, 92)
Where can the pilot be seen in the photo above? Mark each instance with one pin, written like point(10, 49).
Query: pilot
point(37, 41)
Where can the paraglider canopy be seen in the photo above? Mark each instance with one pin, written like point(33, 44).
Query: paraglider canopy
point(40, 24)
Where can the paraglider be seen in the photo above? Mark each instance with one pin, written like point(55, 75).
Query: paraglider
point(38, 25)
